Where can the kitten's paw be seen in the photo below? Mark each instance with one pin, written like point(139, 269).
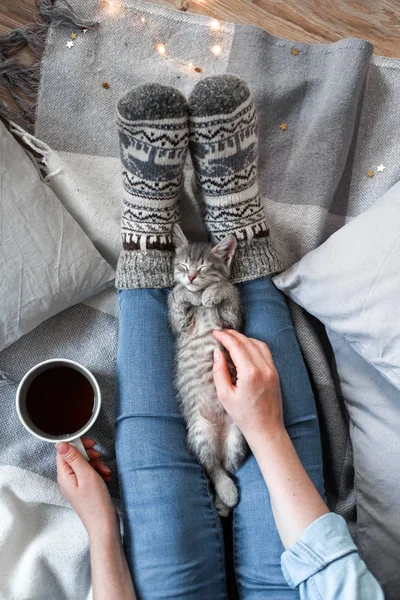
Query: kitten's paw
point(222, 509)
point(210, 297)
point(184, 296)
point(195, 298)
point(208, 304)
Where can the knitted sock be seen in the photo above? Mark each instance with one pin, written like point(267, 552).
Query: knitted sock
point(223, 143)
point(153, 131)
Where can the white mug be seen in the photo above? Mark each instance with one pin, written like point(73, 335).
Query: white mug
point(74, 438)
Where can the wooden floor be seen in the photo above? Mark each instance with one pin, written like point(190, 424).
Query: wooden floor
point(305, 20)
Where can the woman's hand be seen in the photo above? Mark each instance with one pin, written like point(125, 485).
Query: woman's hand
point(83, 485)
point(255, 402)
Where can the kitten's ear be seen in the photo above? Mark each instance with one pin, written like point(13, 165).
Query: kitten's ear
point(178, 237)
point(225, 249)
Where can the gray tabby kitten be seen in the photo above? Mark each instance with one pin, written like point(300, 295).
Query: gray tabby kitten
point(201, 301)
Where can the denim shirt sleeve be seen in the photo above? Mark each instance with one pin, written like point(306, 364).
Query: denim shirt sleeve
point(325, 565)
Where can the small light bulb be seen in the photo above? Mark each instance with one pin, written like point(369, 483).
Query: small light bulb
point(216, 50)
point(143, 20)
point(113, 7)
point(190, 64)
point(161, 49)
point(215, 24)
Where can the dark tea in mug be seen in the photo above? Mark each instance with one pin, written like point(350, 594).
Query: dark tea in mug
point(60, 400)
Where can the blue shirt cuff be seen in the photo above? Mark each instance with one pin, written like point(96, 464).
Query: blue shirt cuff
point(324, 541)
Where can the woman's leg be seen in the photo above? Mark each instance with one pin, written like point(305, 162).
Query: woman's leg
point(223, 138)
point(256, 541)
point(173, 538)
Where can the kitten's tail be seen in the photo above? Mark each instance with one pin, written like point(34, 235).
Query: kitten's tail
point(225, 487)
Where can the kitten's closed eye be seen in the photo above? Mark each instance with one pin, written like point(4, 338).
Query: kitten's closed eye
point(203, 268)
point(184, 266)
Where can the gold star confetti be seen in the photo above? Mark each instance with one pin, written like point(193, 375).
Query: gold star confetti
point(295, 51)
point(73, 35)
point(370, 173)
point(70, 43)
point(84, 29)
point(283, 126)
point(380, 168)
point(106, 85)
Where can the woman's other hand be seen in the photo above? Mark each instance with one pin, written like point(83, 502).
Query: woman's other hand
point(83, 485)
point(255, 402)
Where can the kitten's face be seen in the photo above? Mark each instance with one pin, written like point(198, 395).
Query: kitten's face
point(199, 265)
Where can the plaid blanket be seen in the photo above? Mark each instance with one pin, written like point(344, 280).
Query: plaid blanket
point(327, 116)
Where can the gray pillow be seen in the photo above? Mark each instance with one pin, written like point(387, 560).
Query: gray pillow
point(47, 263)
point(352, 284)
point(374, 409)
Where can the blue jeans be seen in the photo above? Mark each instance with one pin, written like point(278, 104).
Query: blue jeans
point(173, 537)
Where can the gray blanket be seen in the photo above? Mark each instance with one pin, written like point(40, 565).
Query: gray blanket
point(340, 106)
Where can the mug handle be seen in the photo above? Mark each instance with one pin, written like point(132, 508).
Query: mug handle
point(77, 443)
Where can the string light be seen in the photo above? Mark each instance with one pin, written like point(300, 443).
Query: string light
point(113, 7)
point(161, 49)
point(215, 25)
point(189, 65)
point(217, 49)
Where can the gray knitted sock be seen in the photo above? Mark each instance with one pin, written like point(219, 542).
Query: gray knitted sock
point(223, 144)
point(153, 131)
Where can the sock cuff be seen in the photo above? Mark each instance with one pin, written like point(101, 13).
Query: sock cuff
point(255, 260)
point(154, 268)
point(151, 269)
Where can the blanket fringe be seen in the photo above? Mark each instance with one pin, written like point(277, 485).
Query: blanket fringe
point(22, 83)
point(62, 14)
point(21, 80)
point(33, 36)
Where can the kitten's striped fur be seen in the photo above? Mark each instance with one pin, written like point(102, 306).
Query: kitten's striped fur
point(196, 309)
